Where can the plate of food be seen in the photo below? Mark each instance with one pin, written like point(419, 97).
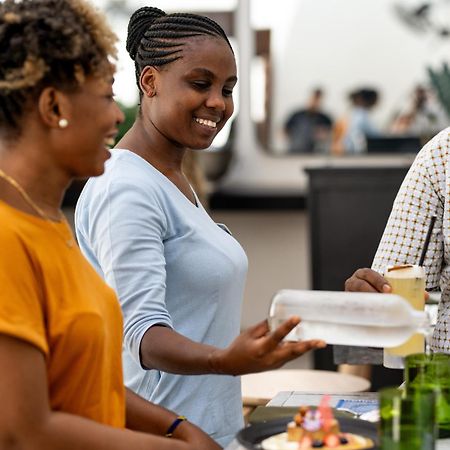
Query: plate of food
point(312, 427)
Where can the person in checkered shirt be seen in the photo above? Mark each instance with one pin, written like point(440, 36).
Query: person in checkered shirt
point(425, 192)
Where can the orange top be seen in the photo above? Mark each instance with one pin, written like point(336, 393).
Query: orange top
point(52, 298)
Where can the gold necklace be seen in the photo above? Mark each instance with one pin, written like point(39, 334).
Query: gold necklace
point(69, 242)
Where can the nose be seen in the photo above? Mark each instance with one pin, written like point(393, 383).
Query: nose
point(216, 101)
point(120, 116)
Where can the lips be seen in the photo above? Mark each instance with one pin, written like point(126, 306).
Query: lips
point(110, 139)
point(109, 142)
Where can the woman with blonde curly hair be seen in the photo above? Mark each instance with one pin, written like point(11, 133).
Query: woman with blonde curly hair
point(60, 325)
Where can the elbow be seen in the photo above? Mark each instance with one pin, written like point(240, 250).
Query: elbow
point(145, 353)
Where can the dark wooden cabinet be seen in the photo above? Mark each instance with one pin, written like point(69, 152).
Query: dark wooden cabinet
point(348, 209)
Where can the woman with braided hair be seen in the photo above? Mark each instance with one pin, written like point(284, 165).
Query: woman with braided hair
point(179, 276)
point(61, 380)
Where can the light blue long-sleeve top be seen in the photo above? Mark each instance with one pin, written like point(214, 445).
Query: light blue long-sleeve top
point(170, 264)
point(360, 127)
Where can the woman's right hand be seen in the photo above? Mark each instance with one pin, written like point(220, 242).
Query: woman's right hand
point(258, 349)
point(367, 280)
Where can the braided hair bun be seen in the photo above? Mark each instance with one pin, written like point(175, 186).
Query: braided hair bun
point(139, 22)
point(156, 38)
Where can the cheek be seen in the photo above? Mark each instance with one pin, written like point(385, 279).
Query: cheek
point(86, 120)
point(229, 109)
point(166, 110)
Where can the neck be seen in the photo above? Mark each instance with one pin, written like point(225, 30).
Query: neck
point(41, 186)
point(155, 149)
point(166, 157)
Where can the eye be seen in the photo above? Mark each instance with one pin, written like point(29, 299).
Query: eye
point(201, 85)
point(227, 92)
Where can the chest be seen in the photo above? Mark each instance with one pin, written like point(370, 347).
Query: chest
point(198, 250)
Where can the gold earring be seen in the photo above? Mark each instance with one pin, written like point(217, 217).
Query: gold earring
point(63, 123)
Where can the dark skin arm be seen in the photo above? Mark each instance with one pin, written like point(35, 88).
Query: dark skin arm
point(27, 421)
point(150, 418)
point(255, 350)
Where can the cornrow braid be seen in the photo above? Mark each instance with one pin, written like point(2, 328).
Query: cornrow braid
point(48, 43)
point(156, 38)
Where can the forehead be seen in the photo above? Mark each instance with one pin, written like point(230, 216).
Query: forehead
point(211, 53)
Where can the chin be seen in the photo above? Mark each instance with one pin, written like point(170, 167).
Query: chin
point(94, 171)
point(202, 145)
point(100, 170)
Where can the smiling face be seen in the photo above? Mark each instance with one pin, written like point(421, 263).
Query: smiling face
point(190, 100)
point(92, 116)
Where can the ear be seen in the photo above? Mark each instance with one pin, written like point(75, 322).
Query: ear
point(53, 106)
point(148, 81)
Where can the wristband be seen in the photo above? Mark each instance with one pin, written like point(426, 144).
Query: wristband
point(175, 423)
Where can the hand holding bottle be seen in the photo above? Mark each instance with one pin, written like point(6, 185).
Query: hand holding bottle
point(258, 349)
point(367, 280)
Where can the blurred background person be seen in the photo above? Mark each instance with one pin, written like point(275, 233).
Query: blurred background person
point(309, 129)
point(422, 116)
point(350, 132)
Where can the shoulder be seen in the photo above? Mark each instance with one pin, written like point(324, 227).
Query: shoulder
point(11, 223)
point(434, 155)
point(126, 175)
point(430, 170)
point(14, 237)
point(129, 184)
point(439, 145)
point(125, 167)
point(295, 116)
point(324, 118)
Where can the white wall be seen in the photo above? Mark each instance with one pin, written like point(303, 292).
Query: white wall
point(339, 45)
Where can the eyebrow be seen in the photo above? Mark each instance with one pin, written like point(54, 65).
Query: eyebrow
point(210, 74)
